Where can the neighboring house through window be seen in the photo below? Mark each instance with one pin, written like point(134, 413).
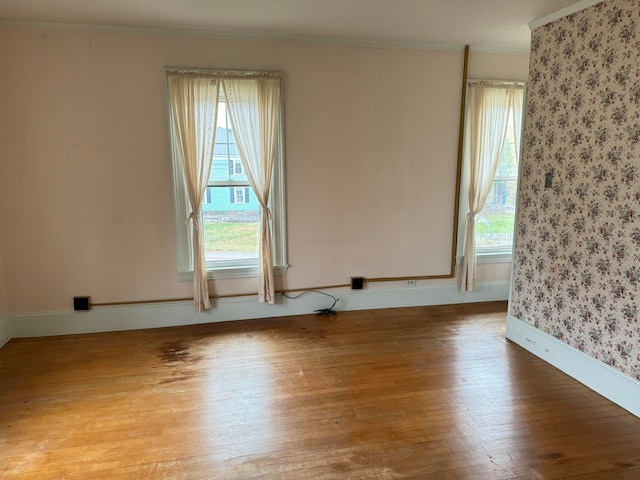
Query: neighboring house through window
point(230, 210)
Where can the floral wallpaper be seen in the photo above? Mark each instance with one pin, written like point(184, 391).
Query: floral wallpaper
point(577, 258)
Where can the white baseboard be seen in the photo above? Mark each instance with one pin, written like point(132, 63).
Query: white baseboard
point(607, 381)
point(133, 317)
point(5, 331)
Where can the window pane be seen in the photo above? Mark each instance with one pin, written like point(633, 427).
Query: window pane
point(222, 124)
point(226, 159)
point(230, 217)
point(220, 149)
point(495, 223)
point(219, 169)
point(508, 163)
point(230, 227)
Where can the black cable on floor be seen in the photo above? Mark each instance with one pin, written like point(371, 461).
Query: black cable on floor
point(321, 311)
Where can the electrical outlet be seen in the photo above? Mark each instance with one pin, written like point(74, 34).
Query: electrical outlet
point(410, 283)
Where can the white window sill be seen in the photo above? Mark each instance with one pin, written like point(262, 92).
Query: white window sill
point(489, 257)
point(232, 272)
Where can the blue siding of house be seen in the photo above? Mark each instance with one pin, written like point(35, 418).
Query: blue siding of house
point(218, 200)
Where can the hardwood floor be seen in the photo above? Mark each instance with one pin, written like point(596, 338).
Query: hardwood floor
point(414, 393)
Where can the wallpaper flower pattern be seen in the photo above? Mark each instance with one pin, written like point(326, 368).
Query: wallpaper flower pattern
point(577, 258)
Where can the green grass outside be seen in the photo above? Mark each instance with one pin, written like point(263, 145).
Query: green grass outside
point(231, 236)
point(498, 223)
point(243, 237)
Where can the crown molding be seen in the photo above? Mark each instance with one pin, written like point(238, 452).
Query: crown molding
point(571, 9)
point(251, 35)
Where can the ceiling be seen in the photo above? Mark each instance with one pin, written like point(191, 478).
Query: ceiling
point(499, 25)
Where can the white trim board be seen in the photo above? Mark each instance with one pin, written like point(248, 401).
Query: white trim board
point(571, 9)
point(133, 317)
point(5, 331)
point(598, 376)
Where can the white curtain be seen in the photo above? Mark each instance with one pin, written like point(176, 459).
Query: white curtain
point(254, 109)
point(518, 106)
point(489, 107)
point(194, 103)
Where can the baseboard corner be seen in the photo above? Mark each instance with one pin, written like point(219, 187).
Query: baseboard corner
point(5, 331)
point(609, 382)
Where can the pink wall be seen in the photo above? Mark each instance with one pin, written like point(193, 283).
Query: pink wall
point(85, 193)
point(492, 66)
point(4, 311)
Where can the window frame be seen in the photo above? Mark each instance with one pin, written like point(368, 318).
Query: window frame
point(183, 230)
point(484, 255)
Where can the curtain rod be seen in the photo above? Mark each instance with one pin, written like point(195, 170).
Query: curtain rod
point(224, 73)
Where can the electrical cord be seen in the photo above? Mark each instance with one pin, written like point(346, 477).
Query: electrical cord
point(321, 311)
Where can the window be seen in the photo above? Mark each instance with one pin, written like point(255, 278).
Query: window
point(231, 219)
point(494, 224)
point(239, 195)
point(230, 211)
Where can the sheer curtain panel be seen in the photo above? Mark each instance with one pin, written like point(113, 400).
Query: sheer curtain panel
point(518, 105)
point(489, 107)
point(254, 112)
point(193, 105)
